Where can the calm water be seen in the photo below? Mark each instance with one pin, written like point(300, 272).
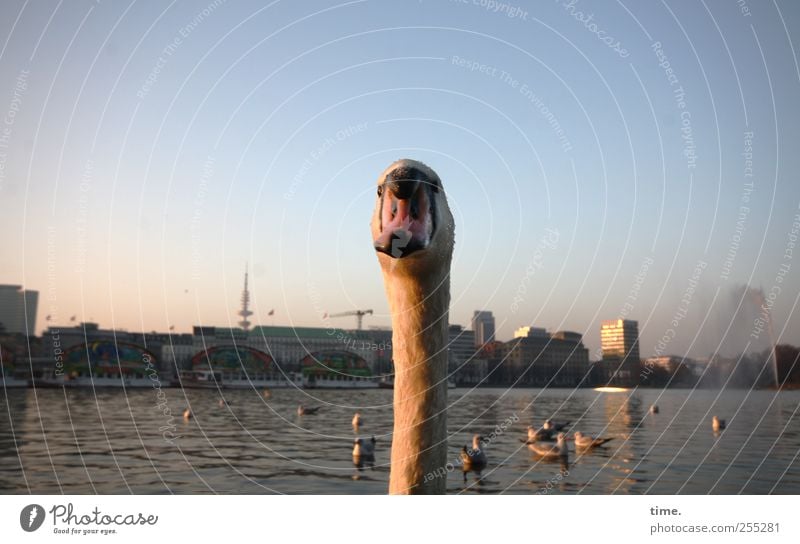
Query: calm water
point(53, 441)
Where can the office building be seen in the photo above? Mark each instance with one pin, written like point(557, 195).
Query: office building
point(541, 360)
point(18, 310)
point(466, 365)
point(619, 341)
point(483, 327)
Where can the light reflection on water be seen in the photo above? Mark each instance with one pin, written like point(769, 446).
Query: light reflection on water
point(80, 441)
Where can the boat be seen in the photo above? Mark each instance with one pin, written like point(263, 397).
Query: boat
point(223, 379)
point(387, 382)
point(8, 380)
point(199, 379)
point(340, 381)
point(269, 380)
point(95, 379)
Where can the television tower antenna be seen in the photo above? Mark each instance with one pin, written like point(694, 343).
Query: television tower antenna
point(245, 312)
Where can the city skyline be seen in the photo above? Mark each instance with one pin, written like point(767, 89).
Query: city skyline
point(22, 309)
point(146, 157)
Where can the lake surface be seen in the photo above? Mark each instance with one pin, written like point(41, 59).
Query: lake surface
point(107, 441)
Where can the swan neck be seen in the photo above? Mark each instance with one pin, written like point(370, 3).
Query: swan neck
point(419, 323)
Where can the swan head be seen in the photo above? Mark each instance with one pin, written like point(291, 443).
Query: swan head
point(412, 226)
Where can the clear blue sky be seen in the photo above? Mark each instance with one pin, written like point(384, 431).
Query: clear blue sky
point(152, 149)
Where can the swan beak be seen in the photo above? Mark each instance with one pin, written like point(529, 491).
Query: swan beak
point(403, 188)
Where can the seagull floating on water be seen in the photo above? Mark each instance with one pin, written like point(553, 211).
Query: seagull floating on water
point(474, 458)
point(717, 424)
point(552, 426)
point(587, 441)
point(363, 451)
point(537, 435)
point(558, 450)
point(303, 410)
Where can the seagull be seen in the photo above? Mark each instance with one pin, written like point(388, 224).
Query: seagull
point(474, 458)
point(363, 451)
point(307, 410)
point(717, 424)
point(357, 421)
point(586, 441)
point(555, 427)
point(187, 414)
point(558, 450)
point(537, 435)
point(654, 409)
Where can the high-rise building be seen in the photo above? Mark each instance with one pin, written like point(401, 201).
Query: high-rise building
point(619, 340)
point(18, 309)
point(483, 327)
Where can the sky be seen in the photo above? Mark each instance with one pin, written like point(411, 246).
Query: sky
point(601, 159)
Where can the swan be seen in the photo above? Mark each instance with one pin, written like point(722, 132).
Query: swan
point(474, 458)
point(558, 450)
point(586, 441)
point(357, 421)
point(654, 409)
point(717, 424)
point(304, 410)
point(363, 451)
point(413, 235)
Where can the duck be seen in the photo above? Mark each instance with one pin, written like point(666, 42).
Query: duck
point(357, 421)
point(717, 424)
point(654, 409)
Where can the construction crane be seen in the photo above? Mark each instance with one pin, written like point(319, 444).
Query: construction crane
point(358, 313)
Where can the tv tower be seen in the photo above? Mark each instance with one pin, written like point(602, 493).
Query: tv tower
point(245, 311)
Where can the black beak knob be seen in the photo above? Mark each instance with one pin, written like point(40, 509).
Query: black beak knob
point(403, 188)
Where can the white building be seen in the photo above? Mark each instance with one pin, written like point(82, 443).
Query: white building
point(18, 309)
